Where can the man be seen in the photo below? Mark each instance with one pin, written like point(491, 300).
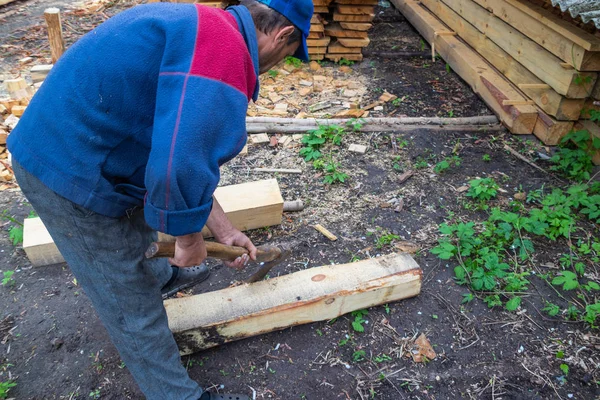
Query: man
point(125, 138)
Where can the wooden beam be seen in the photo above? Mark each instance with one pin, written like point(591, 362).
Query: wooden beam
point(336, 47)
point(248, 206)
point(549, 130)
point(535, 58)
point(336, 57)
point(334, 29)
point(356, 26)
point(358, 2)
point(55, 35)
point(485, 81)
point(318, 42)
point(311, 295)
point(354, 42)
point(352, 18)
point(541, 93)
point(533, 25)
point(354, 9)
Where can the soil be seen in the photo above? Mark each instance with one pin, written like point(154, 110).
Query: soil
point(54, 346)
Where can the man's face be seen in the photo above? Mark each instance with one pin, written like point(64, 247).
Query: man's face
point(274, 47)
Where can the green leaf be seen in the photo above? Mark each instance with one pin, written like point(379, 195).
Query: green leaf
point(593, 285)
point(567, 279)
point(564, 368)
point(15, 233)
point(513, 303)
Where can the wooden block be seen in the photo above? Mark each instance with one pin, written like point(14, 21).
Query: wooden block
point(14, 85)
point(354, 9)
point(3, 136)
point(358, 148)
point(321, 3)
point(316, 19)
point(259, 138)
point(9, 103)
point(248, 206)
point(317, 27)
point(485, 81)
point(535, 58)
point(541, 93)
point(351, 113)
point(3, 110)
point(549, 130)
point(352, 18)
point(354, 42)
point(318, 42)
point(559, 37)
point(358, 2)
point(336, 47)
point(336, 30)
point(317, 50)
point(38, 244)
point(314, 294)
point(321, 9)
point(385, 97)
point(336, 57)
point(356, 26)
point(315, 35)
point(316, 57)
point(17, 111)
point(55, 34)
point(39, 72)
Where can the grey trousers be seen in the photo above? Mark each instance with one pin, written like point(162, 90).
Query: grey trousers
point(106, 256)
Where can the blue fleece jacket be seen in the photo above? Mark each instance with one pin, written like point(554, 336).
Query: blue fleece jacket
point(142, 111)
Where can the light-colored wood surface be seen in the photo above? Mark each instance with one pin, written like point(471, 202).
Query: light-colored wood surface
point(537, 30)
point(549, 130)
point(248, 206)
point(336, 30)
point(318, 42)
point(336, 57)
point(356, 26)
point(354, 9)
point(336, 47)
point(38, 244)
point(55, 35)
point(485, 81)
point(531, 55)
point(325, 232)
point(352, 18)
point(541, 93)
point(354, 42)
point(311, 295)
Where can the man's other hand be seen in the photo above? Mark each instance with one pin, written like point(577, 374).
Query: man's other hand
point(189, 250)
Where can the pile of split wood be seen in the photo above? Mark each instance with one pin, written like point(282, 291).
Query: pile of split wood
point(339, 29)
point(537, 71)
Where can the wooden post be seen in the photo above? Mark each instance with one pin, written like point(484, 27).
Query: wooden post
point(55, 36)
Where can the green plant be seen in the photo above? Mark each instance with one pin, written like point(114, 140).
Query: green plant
point(446, 164)
point(581, 80)
point(332, 173)
point(396, 102)
point(451, 113)
point(574, 156)
point(95, 394)
point(359, 355)
point(359, 320)
point(382, 358)
point(482, 189)
point(343, 61)
point(7, 279)
point(448, 68)
point(5, 388)
point(422, 45)
point(273, 73)
point(486, 158)
point(315, 139)
point(564, 368)
point(296, 62)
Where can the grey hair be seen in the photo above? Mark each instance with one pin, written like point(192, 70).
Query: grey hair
point(267, 19)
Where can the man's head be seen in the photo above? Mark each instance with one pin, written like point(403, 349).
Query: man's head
point(282, 28)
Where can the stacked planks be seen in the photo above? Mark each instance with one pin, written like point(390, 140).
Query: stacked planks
point(544, 69)
point(339, 29)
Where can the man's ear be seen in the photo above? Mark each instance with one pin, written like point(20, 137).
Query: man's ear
point(284, 34)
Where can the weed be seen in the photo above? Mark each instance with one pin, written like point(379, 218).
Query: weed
point(382, 358)
point(396, 102)
point(565, 369)
point(421, 163)
point(7, 279)
point(359, 320)
point(448, 68)
point(486, 158)
point(319, 332)
point(273, 73)
point(95, 394)
point(422, 45)
point(271, 370)
point(446, 164)
point(387, 308)
point(574, 156)
point(343, 61)
point(333, 174)
point(482, 189)
point(296, 62)
point(359, 355)
point(223, 372)
point(451, 113)
point(581, 80)
point(5, 388)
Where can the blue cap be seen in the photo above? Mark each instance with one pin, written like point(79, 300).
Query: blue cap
point(299, 13)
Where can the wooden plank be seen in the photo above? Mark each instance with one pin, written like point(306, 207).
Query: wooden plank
point(336, 57)
point(321, 9)
point(358, 2)
point(39, 72)
point(318, 42)
point(541, 93)
point(485, 81)
point(336, 47)
point(549, 130)
point(356, 26)
point(535, 58)
point(535, 28)
point(352, 18)
point(354, 9)
point(317, 50)
point(316, 57)
point(3, 2)
point(315, 294)
point(336, 30)
point(55, 35)
point(248, 206)
point(570, 31)
point(354, 42)
point(315, 35)
point(321, 2)
point(317, 27)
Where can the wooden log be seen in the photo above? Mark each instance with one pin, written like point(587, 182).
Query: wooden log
point(292, 206)
point(55, 35)
point(248, 206)
point(549, 130)
point(354, 42)
point(485, 81)
point(315, 294)
point(354, 9)
point(542, 63)
point(532, 23)
point(352, 18)
point(541, 93)
point(336, 47)
point(356, 26)
point(317, 50)
point(336, 57)
point(335, 30)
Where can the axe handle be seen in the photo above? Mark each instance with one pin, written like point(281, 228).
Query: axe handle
point(215, 250)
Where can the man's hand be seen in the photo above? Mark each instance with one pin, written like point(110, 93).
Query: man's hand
point(189, 250)
point(225, 233)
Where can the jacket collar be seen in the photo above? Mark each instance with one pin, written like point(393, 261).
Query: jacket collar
point(248, 31)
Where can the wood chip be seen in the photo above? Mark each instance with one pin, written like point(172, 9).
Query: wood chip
point(358, 148)
point(422, 350)
point(405, 176)
point(385, 97)
point(260, 138)
point(325, 232)
point(407, 247)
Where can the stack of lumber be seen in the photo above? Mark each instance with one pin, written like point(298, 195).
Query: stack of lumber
point(535, 70)
point(339, 29)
